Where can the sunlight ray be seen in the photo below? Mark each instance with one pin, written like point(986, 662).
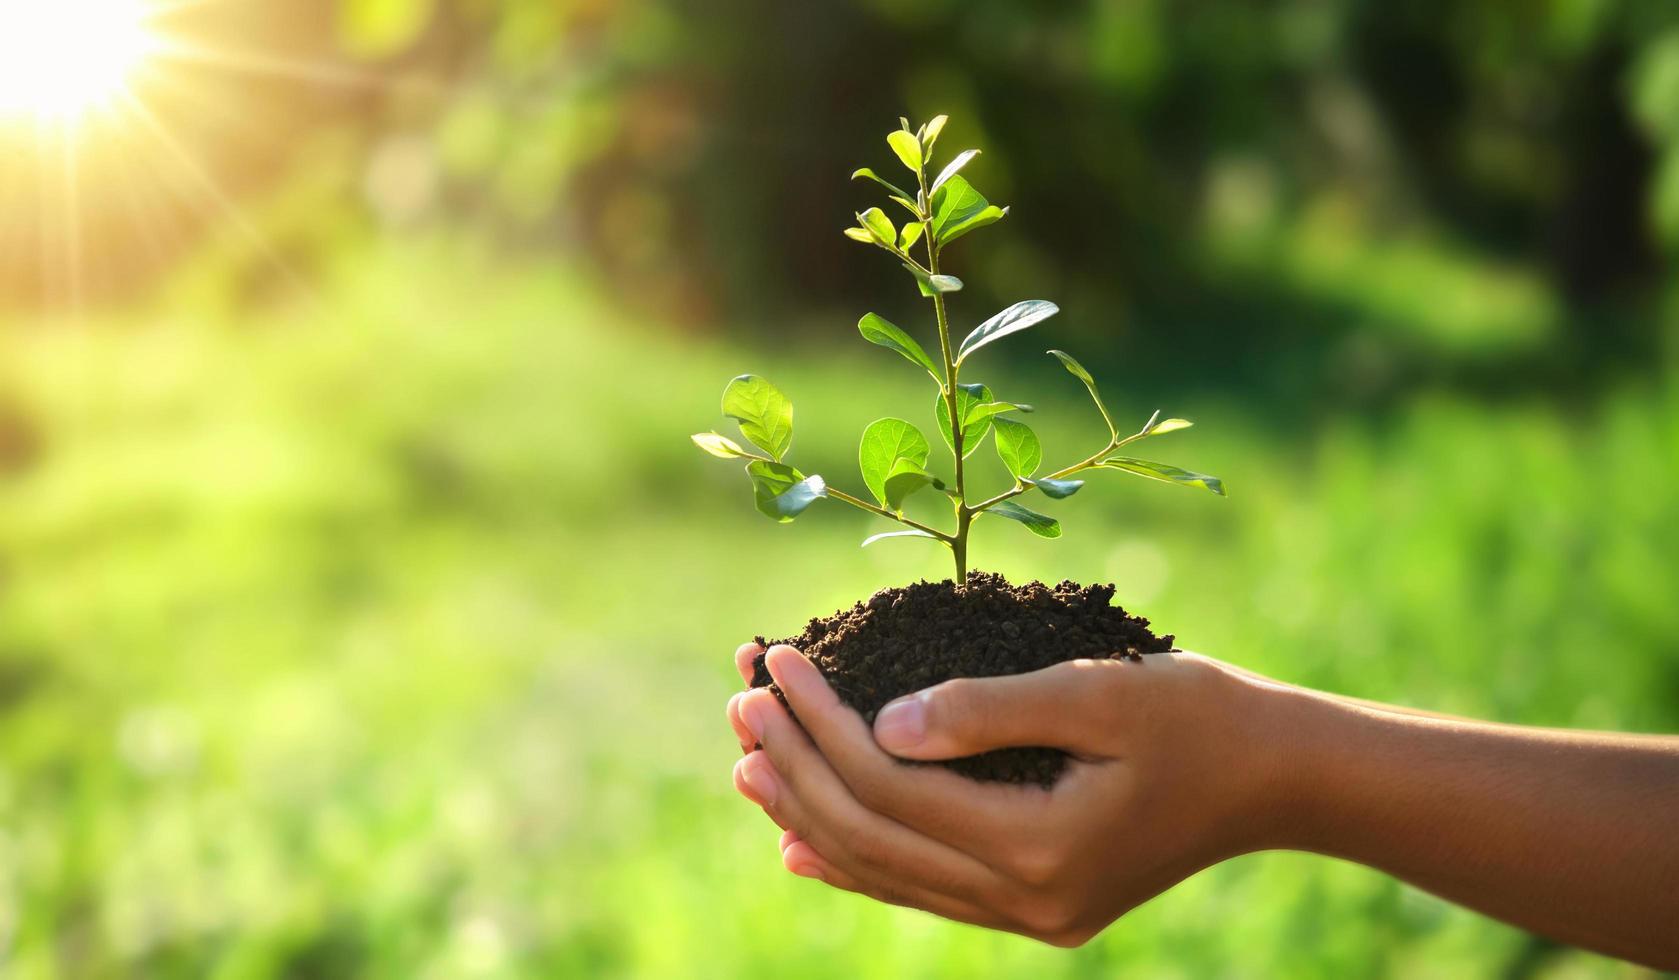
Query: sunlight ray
point(15, 222)
point(223, 112)
point(222, 203)
point(148, 212)
point(13, 209)
point(43, 209)
point(175, 49)
point(164, 8)
point(71, 186)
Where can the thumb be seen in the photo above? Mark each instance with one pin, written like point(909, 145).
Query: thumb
point(1068, 706)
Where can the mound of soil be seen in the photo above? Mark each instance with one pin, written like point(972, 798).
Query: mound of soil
point(904, 639)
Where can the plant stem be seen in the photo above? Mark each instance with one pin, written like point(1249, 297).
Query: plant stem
point(965, 514)
point(959, 544)
point(964, 518)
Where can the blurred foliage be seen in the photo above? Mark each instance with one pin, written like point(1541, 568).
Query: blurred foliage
point(1453, 178)
point(1175, 165)
point(331, 645)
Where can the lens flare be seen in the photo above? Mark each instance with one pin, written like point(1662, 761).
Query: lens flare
point(60, 59)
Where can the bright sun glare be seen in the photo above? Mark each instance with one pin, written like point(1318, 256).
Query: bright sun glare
point(62, 58)
point(93, 88)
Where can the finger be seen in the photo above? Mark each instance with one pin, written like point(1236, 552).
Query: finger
point(788, 839)
point(804, 861)
point(744, 657)
point(804, 793)
point(746, 789)
point(743, 735)
point(940, 804)
point(1068, 706)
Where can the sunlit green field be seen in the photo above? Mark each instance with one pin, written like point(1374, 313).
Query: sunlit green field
point(387, 633)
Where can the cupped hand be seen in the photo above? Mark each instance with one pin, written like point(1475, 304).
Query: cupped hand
point(1169, 774)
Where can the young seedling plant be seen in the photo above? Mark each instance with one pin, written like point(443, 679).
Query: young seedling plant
point(894, 454)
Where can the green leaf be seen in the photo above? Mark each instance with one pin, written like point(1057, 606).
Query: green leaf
point(859, 235)
point(793, 502)
point(909, 234)
point(953, 204)
point(764, 413)
point(906, 477)
point(718, 445)
point(953, 166)
point(885, 444)
point(930, 134)
point(933, 285)
point(1012, 320)
point(972, 402)
point(1165, 473)
point(782, 492)
point(1018, 447)
point(881, 332)
point(1167, 425)
point(1058, 489)
point(991, 214)
point(995, 408)
point(871, 539)
point(1077, 370)
point(1042, 525)
point(909, 206)
point(871, 175)
point(907, 147)
point(880, 226)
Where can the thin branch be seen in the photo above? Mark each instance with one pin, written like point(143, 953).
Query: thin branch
point(883, 512)
point(901, 256)
point(1060, 474)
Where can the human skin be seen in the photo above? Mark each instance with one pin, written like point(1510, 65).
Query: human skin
point(1180, 762)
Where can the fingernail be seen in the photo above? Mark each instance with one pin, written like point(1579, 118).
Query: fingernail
point(760, 780)
point(901, 724)
point(806, 871)
point(777, 673)
point(743, 661)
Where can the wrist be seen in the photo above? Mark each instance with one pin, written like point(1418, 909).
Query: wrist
point(1276, 768)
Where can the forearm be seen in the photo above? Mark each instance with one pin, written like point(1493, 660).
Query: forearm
point(1573, 835)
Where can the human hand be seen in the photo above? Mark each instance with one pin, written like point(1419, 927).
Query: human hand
point(1169, 775)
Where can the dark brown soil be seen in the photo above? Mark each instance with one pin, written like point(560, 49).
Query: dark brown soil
point(904, 639)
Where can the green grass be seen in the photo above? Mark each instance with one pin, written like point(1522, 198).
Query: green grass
point(390, 637)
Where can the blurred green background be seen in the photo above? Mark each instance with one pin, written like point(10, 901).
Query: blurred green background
point(365, 611)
